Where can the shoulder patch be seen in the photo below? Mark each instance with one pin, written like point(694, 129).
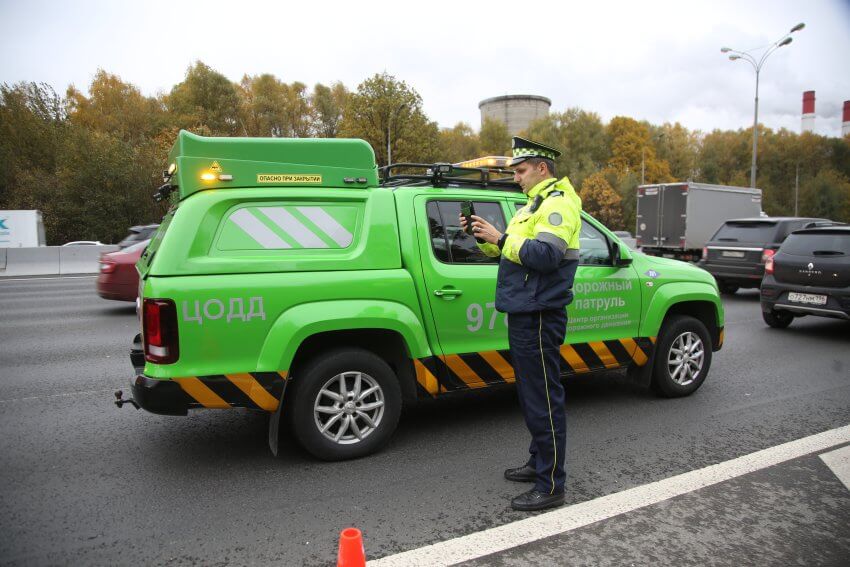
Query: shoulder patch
point(555, 219)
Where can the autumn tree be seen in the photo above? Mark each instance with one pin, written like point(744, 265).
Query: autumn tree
point(632, 149)
point(494, 138)
point(328, 105)
point(459, 143)
point(385, 111)
point(205, 102)
point(601, 201)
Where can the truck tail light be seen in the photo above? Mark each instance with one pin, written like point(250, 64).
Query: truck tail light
point(767, 258)
point(705, 252)
point(159, 326)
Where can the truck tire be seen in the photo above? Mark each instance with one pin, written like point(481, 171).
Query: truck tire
point(345, 405)
point(682, 358)
point(727, 288)
point(777, 319)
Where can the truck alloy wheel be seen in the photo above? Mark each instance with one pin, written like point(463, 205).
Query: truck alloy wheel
point(349, 407)
point(345, 404)
point(682, 358)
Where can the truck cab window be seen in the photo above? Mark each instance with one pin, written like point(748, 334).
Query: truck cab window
point(449, 243)
point(594, 247)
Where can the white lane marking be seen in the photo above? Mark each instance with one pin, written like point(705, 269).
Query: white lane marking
point(562, 520)
point(257, 230)
point(839, 462)
point(2, 280)
point(84, 392)
point(293, 227)
point(326, 222)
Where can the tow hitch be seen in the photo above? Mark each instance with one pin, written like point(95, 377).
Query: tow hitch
point(120, 402)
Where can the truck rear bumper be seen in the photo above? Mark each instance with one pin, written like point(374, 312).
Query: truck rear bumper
point(163, 397)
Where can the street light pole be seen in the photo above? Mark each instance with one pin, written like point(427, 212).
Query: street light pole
point(757, 65)
point(389, 136)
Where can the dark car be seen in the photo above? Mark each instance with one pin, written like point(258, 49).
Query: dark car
point(118, 278)
point(809, 275)
point(737, 252)
point(138, 234)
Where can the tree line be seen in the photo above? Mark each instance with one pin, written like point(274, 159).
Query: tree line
point(91, 160)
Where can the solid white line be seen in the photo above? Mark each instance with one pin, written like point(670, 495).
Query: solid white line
point(504, 537)
point(46, 278)
point(839, 462)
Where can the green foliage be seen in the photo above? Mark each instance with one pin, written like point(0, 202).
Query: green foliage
point(494, 137)
point(385, 111)
point(459, 143)
point(91, 160)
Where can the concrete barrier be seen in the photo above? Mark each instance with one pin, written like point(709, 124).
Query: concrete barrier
point(81, 259)
point(52, 260)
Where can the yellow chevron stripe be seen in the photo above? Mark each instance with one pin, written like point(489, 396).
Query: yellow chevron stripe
point(722, 336)
point(652, 339)
point(573, 358)
point(604, 354)
point(425, 378)
point(499, 364)
point(200, 392)
point(464, 372)
point(254, 390)
point(635, 351)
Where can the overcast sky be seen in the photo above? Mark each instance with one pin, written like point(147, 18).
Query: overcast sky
point(652, 60)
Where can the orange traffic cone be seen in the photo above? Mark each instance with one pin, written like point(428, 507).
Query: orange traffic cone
point(351, 551)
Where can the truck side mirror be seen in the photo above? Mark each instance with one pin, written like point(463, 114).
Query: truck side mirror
point(621, 256)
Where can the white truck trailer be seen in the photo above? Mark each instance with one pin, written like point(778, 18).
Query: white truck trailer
point(675, 220)
point(21, 229)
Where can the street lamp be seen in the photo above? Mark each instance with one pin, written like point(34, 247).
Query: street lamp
point(757, 65)
point(398, 110)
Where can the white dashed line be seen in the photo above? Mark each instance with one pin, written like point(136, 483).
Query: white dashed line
point(562, 520)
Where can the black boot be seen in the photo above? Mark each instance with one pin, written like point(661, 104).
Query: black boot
point(525, 473)
point(534, 500)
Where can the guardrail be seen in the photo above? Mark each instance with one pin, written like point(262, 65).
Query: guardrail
point(51, 260)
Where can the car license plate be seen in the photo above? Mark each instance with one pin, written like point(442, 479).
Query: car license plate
point(732, 254)
point(809, 298)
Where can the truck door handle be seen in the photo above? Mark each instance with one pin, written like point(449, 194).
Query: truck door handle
point(448, 293)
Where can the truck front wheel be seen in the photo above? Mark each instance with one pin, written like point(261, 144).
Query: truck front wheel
point(346, 404)
point(683, 357)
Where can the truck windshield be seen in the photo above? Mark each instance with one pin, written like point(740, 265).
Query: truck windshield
point(746, 232)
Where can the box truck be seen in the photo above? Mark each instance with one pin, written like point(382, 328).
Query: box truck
point(675, 220)
point(21, 229)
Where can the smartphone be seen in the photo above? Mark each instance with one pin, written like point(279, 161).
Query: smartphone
point(467, 209)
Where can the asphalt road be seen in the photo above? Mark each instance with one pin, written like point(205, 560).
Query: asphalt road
point(83, 482)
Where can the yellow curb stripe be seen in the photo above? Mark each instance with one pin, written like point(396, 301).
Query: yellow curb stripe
point(499, 364)
point(608, 359)
point(635, 351)
point(574, 360)
point(200, 392)
point(254, 390)
point(463, 371)
point(425, 378)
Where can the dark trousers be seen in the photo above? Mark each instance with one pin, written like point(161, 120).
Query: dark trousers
point(535, 340)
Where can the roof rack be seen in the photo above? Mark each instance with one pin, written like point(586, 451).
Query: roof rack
point(447, 175)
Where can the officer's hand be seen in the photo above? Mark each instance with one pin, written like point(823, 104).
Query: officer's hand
point(484, 230)
point(462, 222)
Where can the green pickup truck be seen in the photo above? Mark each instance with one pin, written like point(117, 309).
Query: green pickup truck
point(287, 277)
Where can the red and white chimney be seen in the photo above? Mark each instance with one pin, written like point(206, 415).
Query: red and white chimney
point(845, 122)
point(808, 111)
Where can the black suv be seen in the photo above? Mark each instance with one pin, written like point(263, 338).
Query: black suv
point(737, 252)
point(809, 275)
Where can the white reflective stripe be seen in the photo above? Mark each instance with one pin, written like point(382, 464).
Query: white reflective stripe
point(323, 220)
point(293, 227)
point(257, 230)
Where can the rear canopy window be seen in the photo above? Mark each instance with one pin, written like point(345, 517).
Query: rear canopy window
point(809, 244)
point(289, 226)
point(746, 232)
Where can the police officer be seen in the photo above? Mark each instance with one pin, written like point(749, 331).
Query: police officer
point(539, 256)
